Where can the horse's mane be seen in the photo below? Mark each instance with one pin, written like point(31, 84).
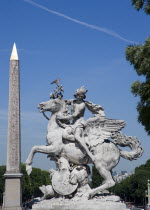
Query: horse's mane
point(65, 108)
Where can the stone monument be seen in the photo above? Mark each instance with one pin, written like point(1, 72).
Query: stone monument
point(13, 195)
point(73, 143)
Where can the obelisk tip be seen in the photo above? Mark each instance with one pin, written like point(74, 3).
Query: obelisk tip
point(14, 54)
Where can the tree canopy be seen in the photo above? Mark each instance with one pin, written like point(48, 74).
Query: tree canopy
point(139, 57)
point(130, 189)
point(142, 4)
point(30, 184)
point(96, 178)
point(133, 188)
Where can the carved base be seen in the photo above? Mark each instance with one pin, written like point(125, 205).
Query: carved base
point(12, 196)
point(56, 204)
point(12, 208)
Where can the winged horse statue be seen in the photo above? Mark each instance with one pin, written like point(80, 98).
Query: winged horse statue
point(81, 141)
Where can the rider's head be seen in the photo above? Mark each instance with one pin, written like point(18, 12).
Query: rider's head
point(80, 93)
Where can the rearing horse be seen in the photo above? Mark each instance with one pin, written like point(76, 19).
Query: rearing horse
point(106, 155)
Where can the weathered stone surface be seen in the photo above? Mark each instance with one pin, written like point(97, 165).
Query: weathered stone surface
point(12, 208)
point(13, 145)
point(57, 204)
point(13, 194)
point(61, 183)
point(73, 142)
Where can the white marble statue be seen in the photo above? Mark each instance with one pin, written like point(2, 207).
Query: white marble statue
point(66, 180)
point(81, 141)
point(61, 180)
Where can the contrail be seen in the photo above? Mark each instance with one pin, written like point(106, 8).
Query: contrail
point(97, 28)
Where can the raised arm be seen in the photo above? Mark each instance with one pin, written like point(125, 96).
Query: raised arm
point(79, 111)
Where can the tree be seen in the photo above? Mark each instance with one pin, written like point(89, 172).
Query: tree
point(96, 178)
point(139, 4)
point(26, 184)
point(139, 57)
point(133, 188)
point(30, 184)
point(2, 182)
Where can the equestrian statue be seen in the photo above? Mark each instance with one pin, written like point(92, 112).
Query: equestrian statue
point(75, 142)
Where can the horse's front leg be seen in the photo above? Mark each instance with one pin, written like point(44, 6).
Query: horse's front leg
point(50, 149)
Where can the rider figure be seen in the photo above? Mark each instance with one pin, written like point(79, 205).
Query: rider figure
point(74, 131)
point(76, 117)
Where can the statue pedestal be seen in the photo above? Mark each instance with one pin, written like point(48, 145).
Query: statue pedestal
point(57, 204)
point(13, 195)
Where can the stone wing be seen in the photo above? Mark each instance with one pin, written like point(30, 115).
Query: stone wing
point(98, 128)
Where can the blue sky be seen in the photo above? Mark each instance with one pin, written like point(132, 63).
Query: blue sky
point(51, 46)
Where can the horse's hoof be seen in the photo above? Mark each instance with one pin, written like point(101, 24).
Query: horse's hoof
point(91, 195)
point(87, 195)
point(28, 169)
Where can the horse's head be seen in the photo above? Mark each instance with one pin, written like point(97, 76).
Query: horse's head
point(54, 105)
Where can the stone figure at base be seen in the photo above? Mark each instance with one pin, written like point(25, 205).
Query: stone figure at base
point(67, 181)
point(77, 142)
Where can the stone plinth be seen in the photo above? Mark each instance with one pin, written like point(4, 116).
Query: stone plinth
point(55, 204)
point(12, 199)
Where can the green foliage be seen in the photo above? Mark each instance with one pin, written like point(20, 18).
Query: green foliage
point(2, 182)
point(97, 180)
point(37, 179)
point(26, 184)
point(30, 184)
point(133, 188)
point(139, 57)
point(139, 4)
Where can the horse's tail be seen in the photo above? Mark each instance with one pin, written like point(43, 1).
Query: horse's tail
point(132, 142)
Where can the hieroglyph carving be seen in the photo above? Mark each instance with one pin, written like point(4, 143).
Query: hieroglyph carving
point(13, 159)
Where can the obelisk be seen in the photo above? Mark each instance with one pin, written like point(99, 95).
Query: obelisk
point(13, 193)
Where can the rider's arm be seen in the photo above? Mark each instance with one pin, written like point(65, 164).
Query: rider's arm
point(69, 102)
point(77, 113)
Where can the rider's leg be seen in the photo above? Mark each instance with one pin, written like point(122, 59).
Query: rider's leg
point(68, 133)
point(79, 137)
